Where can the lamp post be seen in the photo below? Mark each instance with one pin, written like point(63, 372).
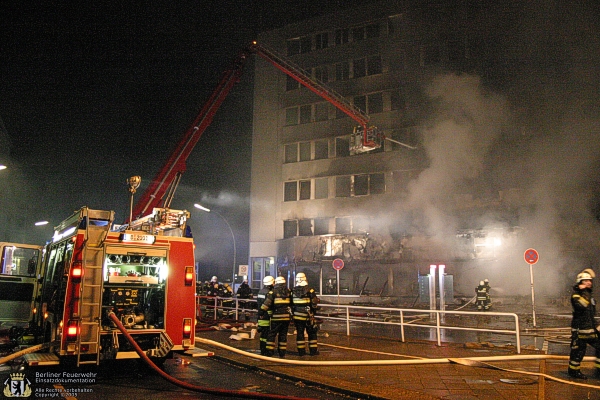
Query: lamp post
point(198, 206)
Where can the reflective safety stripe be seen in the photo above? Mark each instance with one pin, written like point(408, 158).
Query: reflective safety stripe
point(279, 300)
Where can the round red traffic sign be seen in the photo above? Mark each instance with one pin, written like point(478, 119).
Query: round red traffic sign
point(338, 264)
point(531, 256)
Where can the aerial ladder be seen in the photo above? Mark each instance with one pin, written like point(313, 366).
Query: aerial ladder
point(161, 190)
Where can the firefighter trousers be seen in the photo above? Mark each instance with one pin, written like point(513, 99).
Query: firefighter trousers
point(311, 331)
point(278, 332)
point(578, 348)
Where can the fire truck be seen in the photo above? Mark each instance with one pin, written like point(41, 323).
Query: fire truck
point(141, 273)
point(18, 282)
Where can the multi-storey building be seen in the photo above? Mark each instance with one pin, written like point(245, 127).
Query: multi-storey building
point(315, 195)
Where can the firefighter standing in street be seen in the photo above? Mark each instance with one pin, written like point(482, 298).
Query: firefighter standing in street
point(216, 289)
point(304, 306)
point(279, 301)
point(482, 297)
point(264, 316)
point(583, 325)
point(488, 300)
point(244, 292)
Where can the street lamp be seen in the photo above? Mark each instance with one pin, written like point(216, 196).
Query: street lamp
point(198, 206)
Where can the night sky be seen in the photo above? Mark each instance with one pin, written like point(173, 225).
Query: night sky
point(92, 93)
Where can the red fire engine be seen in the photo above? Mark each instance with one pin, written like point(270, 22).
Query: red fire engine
point(144, 274)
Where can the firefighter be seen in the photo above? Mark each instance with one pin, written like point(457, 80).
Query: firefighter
point(227, 303)
point(583, 326)
point(264, 317)
point(482, 297)
point(216, 289)
point(304, 306)
point(279, 301)
point(244, 292)
point(488, 300)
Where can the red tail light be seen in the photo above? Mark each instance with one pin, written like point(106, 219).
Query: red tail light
point(187, 328)
point(76, 271)
point(72, 330)
point(189, 276)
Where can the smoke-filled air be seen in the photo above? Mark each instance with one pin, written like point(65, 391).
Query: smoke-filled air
point(519, 142)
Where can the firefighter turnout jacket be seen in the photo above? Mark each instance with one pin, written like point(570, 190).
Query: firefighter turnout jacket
point(264, 315)
point(304, 303)
point(584, 311)
point(278, 301)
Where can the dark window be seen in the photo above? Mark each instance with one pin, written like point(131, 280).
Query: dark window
point(377, 183)
point(456, 50)
point(372, 31)
point(342, 71)
point(291, 153)
point(341, 36)
point(321, 40)
point(291, 116)
point(305, 44)
point(305, 113)
point(361, 185)
point(343, 225)
point(305, 227)
point(305, 151)
point(339, 113)
point(360, 68)
point(321, 226)
point(358, 34)
point(322, 74)
point(321, 149)
point(304, 190)
point(398, 100)
point(293, 47)
point(291, 83)
point(342, 186)
point(375, 103)
point(342, 147)
point(361, 102)
point(321, 188)
point(322, 111)
point(430, 55)
point(290, 228)
point(290, 191)
point(374, 65)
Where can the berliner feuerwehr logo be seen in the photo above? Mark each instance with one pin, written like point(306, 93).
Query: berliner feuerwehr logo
point(17, 385)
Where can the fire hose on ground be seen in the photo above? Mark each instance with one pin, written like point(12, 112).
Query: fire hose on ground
point(469, 361)
point(186, 385)
point(21, 353)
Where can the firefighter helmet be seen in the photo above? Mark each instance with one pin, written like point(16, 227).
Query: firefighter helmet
point(301, 279)
point(214, 279)
point(582, 276)
point(279, 279)
point(590, 271)
point(486, 280)
point(481, 283)
point(268, 280)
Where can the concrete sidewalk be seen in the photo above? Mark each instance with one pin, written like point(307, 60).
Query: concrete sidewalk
point(426, 380)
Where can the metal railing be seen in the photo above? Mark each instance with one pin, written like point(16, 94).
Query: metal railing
point(398, 317)
point(402, 317)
